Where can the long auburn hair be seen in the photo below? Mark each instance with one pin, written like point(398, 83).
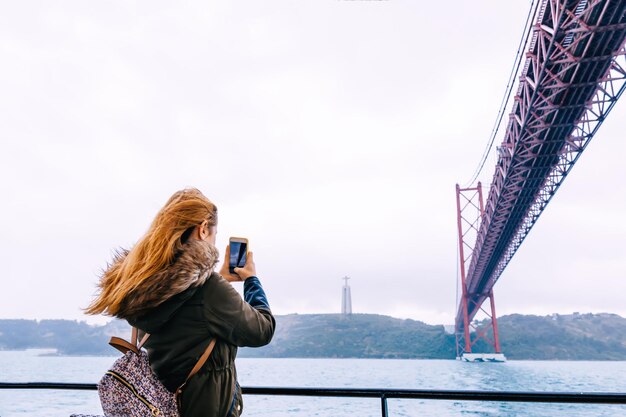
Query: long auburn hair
point(156, 250)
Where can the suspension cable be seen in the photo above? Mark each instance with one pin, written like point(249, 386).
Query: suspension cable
point(517, 63)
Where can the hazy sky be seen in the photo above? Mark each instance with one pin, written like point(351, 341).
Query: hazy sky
point(330, 133)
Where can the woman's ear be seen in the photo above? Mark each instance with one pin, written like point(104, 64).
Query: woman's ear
point(203, 230)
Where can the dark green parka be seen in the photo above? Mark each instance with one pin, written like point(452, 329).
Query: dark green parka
point(183, 323)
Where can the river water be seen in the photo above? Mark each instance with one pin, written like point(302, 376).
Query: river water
point(35, 366)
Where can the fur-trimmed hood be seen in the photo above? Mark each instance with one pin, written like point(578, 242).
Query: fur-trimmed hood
point(191, 267)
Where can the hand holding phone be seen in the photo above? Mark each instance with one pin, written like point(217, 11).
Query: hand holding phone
point(237, 254)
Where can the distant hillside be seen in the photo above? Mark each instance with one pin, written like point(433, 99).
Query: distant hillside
point(563, 337)
point(355, 336)
point(68, 337)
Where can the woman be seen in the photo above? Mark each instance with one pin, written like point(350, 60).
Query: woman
point(166, 286)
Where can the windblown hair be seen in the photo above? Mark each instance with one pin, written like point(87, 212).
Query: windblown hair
point(154, 252)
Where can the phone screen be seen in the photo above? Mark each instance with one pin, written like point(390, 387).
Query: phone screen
point(238, 252)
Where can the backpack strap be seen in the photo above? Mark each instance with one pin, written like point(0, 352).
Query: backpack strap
point(143, 340)
point(201, 361)
point(133, 335)
point(124, 346)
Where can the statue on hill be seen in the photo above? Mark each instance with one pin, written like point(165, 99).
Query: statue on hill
point(346, 298)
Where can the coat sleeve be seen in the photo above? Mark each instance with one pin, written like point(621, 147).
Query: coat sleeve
point(240, 322)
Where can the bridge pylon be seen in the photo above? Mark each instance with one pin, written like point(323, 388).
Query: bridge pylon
point(470, 213)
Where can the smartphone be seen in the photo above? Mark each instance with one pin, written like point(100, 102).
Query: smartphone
point(238, 253)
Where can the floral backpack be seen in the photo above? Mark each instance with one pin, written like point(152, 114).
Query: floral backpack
point(131, 389)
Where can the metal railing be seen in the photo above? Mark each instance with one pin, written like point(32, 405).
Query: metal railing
point(384, 394)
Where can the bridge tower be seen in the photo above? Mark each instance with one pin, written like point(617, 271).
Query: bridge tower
point(470, 212)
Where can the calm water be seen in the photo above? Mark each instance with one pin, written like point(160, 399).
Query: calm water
point(29, 366)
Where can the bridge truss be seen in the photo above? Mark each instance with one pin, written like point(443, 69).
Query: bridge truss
point(573, 74)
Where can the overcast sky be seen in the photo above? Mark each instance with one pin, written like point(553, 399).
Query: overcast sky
point(330, 133)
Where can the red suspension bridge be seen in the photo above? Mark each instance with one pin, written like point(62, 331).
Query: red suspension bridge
point(572, 74)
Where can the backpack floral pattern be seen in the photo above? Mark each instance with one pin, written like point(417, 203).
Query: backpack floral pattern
point(131, 389)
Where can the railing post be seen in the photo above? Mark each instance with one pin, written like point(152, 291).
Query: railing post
point(383, 404)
